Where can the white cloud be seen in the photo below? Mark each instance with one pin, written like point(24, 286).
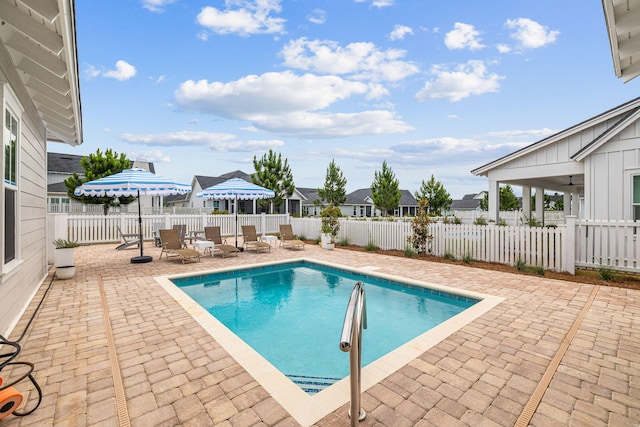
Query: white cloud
point(288, 104)
point(360, 61)
point(503, 48)
point(153, 156)
point(465, 80)
point(221, 142)
point(250, 17)
point(399, 32)
point(318, 16)
point(538, 133)
point(383, 3)
point(123, 71)
point(463, 36)
point(156, 6)
point(529, 34)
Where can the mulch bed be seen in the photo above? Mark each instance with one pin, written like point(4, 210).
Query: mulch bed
point(581, 276)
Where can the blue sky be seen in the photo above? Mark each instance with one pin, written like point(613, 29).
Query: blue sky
point(432, 87)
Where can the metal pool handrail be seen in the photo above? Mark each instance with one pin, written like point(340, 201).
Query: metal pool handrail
point(355, 320)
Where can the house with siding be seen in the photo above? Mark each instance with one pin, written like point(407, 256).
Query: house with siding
point(40, 99)
point(595, 164)
point(190, 201)
point(61, 166)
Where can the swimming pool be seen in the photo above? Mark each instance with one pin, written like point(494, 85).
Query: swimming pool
point(307, 409)
point(292, 314)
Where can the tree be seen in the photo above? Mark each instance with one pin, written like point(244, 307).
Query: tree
point(98, 166)
point(385, 189)
point(420, 240)
point(435, 194)
point(508, 200)
point(333, 192)
point(274, 174)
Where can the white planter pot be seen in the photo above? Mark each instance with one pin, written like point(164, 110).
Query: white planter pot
point(325, 239)
point(328, 246)
point(64, 257)
point(64, 273)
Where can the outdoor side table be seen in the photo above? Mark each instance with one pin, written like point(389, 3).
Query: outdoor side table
point(205, 245)
point(269, 239)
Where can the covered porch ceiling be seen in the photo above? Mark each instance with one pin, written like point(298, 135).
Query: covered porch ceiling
point(40, 39)
point(623, 26)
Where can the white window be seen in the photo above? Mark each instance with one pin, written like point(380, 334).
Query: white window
point(10, 184)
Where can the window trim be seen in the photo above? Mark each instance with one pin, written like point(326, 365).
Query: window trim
point(10, 103)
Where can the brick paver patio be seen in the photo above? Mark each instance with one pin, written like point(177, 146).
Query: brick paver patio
point(174, 373)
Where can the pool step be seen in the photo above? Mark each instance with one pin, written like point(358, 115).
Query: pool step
point(312, 385)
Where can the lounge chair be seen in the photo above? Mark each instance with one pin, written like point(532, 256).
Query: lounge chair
point(171, 246)
point(251, 241)
point(182, 233)
point(221, 247)
point(288, 239)
point(129, 239)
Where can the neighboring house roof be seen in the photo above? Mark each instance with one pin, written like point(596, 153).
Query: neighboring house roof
point(310, 195)
point(468, 202)
point(208, 181)
point(363, 196)
point(58, 187)
point(41, 41)
point(67, 164)
point(623, 25)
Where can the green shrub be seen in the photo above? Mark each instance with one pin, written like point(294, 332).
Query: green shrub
point(480, 221)
point(521, 265)
point(449, 256)
point(370, 246)
point(467, 259)
point(64, 243)
point(409, 252)
point(606, 273)
point(539, 270)
point(344, 241)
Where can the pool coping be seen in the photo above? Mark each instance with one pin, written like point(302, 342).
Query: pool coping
point(308, 409)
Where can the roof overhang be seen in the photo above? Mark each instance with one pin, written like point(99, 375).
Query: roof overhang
point(40, 37)
point(623, 27)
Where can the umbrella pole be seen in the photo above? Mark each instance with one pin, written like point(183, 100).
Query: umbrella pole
point(140, 259)
point(235, 207)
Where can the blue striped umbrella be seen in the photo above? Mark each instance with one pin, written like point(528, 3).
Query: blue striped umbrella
point(133, 182)
point(236, 189)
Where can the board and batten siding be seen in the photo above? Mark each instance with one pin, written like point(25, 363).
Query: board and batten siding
point(609, 177)
point(18, 285)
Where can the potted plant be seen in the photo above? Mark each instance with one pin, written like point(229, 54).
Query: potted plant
point(330, 226)
point(64, 256)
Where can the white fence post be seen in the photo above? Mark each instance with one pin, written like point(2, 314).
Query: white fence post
point(568, 242)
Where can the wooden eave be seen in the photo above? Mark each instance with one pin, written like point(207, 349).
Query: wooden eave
point(40, 38)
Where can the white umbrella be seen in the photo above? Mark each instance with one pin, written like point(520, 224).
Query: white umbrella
point(236, 189)
point(134, 182)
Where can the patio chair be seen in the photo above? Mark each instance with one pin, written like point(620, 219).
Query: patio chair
point(213, 234)
point(171, 246)
point(251, 240)
point(288, 239)
point(182, 233)
point(156, 234)
point(129, 239)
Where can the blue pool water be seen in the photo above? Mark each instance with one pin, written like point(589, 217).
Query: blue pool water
point(292, 314)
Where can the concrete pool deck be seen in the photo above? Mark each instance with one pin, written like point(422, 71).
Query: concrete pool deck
point(111, 347)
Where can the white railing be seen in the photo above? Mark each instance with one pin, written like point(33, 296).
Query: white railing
point(612, 244)
point(579, 243)
point(104, 229)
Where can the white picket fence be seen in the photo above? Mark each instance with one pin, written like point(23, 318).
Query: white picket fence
point(576, 244)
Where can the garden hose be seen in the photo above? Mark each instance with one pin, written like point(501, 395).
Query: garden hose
point(10, 397)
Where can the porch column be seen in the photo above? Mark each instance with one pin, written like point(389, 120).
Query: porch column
point(494, 200)
point(566, 198)
point(540, 205)
point(575, 204)
point(526, 201)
